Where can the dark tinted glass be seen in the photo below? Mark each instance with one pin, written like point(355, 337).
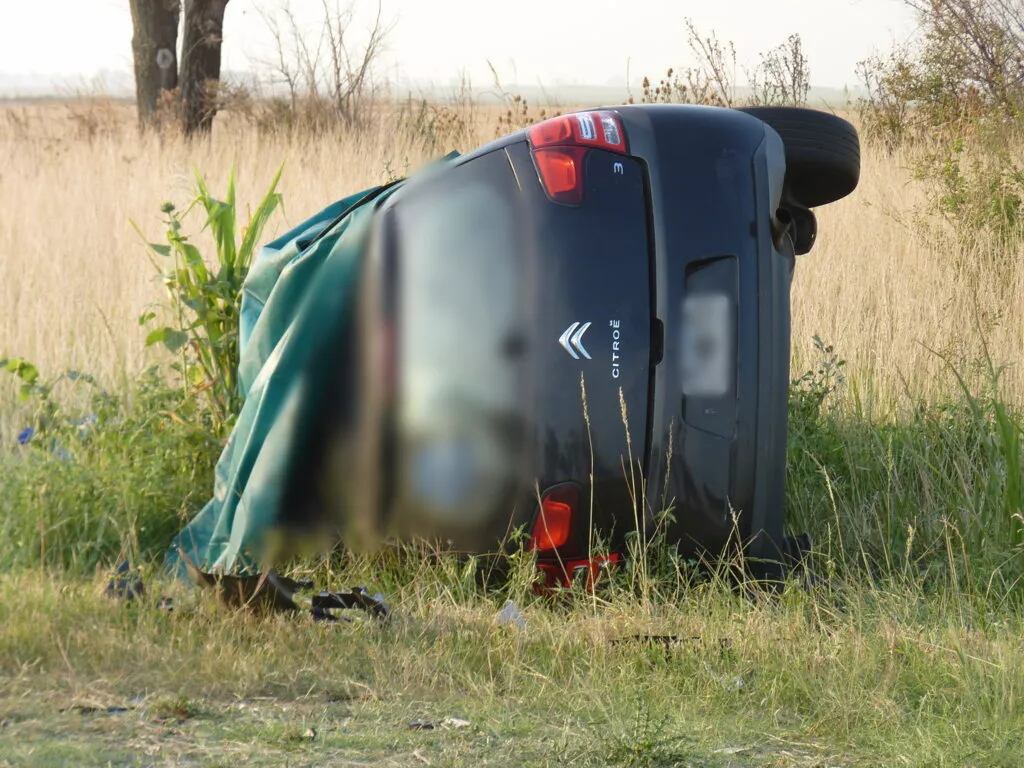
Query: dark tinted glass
point(460, 264)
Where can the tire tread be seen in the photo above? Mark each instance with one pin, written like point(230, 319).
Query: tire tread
point(822, 152)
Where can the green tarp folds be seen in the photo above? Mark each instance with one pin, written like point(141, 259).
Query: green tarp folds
point(297, 306)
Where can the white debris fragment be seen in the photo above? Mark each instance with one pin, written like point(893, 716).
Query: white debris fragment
point(510, 616)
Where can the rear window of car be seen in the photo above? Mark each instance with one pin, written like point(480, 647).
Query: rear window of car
point(459, 261)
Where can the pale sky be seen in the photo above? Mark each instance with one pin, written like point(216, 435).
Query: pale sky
point(530, 41)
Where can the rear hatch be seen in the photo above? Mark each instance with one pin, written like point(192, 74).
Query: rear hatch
point(589, 285)
point(523, 346)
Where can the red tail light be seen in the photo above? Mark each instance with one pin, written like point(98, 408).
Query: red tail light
point(554, 519)
point(582, 129)
point(551, 133)
point(560, 145)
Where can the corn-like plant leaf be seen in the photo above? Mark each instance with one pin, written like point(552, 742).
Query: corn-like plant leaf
point(192, 258)
point(220, 218)
point(229, 253)
point(205, 301)
point(258, 220)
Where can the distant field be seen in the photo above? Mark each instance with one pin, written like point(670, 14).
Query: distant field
point(74, 277)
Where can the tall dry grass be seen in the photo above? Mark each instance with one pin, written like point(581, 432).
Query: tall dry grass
point(74, 277)
point(889, 285)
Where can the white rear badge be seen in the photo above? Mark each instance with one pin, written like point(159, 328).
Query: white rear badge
point(572, 340)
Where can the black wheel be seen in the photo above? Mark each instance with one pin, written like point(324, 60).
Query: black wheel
point(822, 152)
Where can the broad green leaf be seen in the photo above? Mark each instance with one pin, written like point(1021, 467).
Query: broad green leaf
point(23, 369)
point(198, 304)
point(169, 337)
point(175, 340)
point(155, 336)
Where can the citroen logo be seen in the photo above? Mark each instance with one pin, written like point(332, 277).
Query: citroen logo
point(572, 340)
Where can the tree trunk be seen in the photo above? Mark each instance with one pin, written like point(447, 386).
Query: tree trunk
point(200, 63)
point(154, 42)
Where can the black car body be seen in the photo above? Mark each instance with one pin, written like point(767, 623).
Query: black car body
point(579, 326)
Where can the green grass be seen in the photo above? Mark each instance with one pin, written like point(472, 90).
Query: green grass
point(117, 477)
point(904, 650)
point(837, 677)
point(933, 497)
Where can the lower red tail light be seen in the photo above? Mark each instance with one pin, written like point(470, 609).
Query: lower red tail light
point(564, 574)
point(561, 172)
point(553, 525)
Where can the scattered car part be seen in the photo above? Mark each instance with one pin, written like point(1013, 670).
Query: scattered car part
point(125, 583)
point(324, 604)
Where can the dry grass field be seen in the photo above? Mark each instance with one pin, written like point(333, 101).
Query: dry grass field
point(882, 284)
point(75, 274)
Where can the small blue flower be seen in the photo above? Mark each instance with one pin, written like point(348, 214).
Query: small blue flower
point(25, 435)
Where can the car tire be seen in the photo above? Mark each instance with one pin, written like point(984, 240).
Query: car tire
point(822, 152)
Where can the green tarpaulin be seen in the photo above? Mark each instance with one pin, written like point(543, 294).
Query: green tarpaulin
point(297, 307)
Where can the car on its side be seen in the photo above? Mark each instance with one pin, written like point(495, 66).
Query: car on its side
point(587, 322)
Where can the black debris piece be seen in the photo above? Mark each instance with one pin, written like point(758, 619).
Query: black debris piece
point(125, 583)
point(324, 603)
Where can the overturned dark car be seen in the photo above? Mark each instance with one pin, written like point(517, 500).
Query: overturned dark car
point(564, 333)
